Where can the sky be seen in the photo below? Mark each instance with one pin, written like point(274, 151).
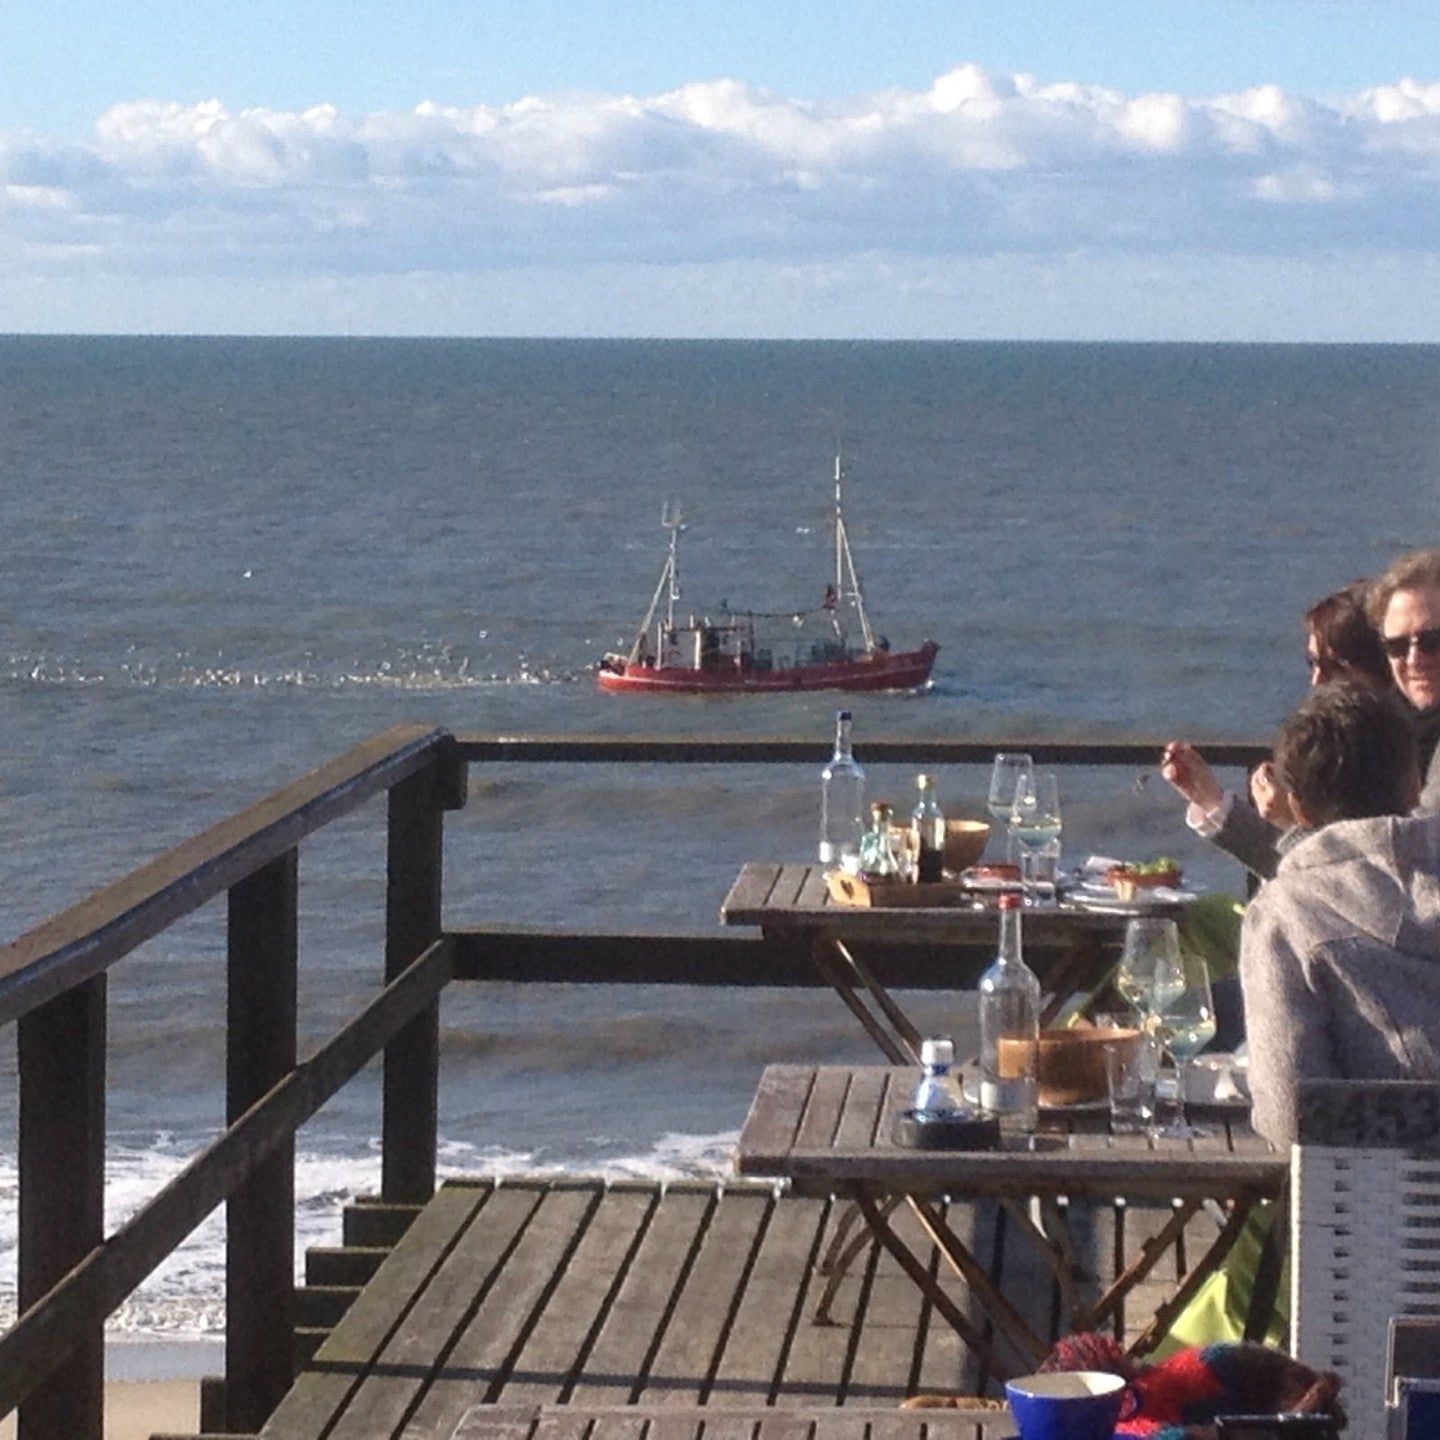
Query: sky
point(1261, 170)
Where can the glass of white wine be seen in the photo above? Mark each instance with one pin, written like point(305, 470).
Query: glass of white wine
point(1184, 1012)
point(1009, 769)
point(1035, 825)
point(1150, 944)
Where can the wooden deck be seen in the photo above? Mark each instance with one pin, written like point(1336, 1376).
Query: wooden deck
point(579, 1294)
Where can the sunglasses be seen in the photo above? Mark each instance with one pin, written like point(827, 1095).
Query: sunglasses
point(1397, 647)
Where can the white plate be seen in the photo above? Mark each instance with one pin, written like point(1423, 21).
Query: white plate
point(1103, 899)
point(987, 884)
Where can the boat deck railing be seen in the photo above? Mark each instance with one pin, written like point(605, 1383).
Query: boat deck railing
point(53, 988)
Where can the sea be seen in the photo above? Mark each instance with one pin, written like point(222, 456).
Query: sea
point(223, 561)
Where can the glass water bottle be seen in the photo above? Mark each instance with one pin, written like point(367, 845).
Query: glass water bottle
point(1010, 1028)
point(842, 800)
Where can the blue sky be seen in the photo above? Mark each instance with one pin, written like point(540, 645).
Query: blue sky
point(1248, 169)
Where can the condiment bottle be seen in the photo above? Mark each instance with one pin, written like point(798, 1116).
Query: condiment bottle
point(1010, 1028)
point(938, 1094)
point(842, 800)
point(877, 851)
point(927, 825)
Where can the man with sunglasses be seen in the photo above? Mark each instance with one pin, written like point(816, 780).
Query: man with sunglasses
point(1404, 606)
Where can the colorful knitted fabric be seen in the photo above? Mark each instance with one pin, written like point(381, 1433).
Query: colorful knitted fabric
point(1179, 1398)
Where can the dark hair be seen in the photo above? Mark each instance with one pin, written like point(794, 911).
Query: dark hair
point(1347, 753)
point(1346, 642)
point(1420, 569)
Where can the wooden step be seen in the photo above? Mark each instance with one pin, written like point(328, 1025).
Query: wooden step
point(322, 1306)
point(343, 1264)
point(372, 1223)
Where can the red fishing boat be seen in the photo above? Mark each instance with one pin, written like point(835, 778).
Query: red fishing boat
point(765, 651)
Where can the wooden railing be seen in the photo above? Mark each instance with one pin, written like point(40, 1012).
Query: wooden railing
point(53, 987)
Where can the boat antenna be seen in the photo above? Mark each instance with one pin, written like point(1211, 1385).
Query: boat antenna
point(845, 561)
point(673, 519)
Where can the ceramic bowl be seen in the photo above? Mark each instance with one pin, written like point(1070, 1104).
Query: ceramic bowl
point(1066, 1405)
point(1071, 1065)
point(964, 843)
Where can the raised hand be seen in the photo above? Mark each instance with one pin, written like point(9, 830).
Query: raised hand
point(1183, 767)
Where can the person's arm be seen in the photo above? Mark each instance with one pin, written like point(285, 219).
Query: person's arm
point(1287, 1020)
point(1252, 841)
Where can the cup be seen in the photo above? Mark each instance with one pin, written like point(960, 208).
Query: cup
point(1038, 870)
point(1066, 1405)
point(1131, 1068)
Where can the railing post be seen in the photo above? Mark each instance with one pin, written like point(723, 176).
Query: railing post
point(412, 921)
point(262, 946)
point(62, 1191)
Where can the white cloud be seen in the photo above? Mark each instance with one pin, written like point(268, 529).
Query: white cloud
point(976, 164)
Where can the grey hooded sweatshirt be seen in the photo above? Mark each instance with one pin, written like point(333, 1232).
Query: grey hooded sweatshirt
point(1340, 963)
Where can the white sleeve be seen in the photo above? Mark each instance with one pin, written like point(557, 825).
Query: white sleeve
point(1209, 823)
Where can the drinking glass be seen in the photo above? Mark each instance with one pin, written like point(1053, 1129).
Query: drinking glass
point(1005, 775)
point(1130, 1074)
point(1150, 944)
point(1035, 826)
point(1184, 1013)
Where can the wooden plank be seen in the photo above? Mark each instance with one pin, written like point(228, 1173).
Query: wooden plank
point(86, 939)
point(770, 1308)
point(61, 1049)
point(947, 1365)
point(494, 1422)
point(262, 953)
point(864, 1104)
point(714, 749)
point(814, 890)
point(337, 1368)
point(775, 1116)
point(414, 868)
point(823, 1109)
point(486, 1347)
point(554, 1350)
point(629, 1333)
point(749, 894)
point(525, 954)
point(472, 1268)
point(684, 1365)
point(889, 1323)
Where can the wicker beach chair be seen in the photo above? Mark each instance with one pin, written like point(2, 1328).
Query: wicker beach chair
point(1365, 1236)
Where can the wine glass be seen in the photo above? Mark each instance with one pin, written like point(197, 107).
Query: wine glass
point(1005, 776)
point(1151, 944)
point(1035, 825)
point(1184, 1012)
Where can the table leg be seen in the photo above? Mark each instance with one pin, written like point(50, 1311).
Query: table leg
point(1198, 1273)
point(969, 1269)
point(899, 1020)
point(840, 1254)
point(1082, 966)
point(832, 960)
point(1150, 1255)
point(920, 1276)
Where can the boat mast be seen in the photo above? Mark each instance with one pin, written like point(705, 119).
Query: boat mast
point(845, 563)
point(673, 520)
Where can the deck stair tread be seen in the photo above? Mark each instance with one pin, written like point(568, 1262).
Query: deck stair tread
point(644, 1301)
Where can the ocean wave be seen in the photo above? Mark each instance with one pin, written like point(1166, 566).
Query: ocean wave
point(184, 1298)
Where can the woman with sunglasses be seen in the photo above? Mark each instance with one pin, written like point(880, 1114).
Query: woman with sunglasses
point(1404, 606)
point(1340, 644)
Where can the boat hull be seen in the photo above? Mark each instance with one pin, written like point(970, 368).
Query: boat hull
point(882, 670)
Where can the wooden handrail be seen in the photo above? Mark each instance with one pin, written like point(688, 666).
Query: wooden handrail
point(81, 942)
point(705, 750)
point(42, 1337)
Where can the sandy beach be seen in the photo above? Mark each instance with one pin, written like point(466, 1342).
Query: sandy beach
point(137, 1409)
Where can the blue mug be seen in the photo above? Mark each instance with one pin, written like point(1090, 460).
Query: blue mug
point(1066, 1405)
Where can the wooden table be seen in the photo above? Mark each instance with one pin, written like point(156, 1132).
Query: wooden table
point(826, 1130)
point(791, 904)
point(638, 1422)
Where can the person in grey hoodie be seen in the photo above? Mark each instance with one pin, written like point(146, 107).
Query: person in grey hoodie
point(1340, 952)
